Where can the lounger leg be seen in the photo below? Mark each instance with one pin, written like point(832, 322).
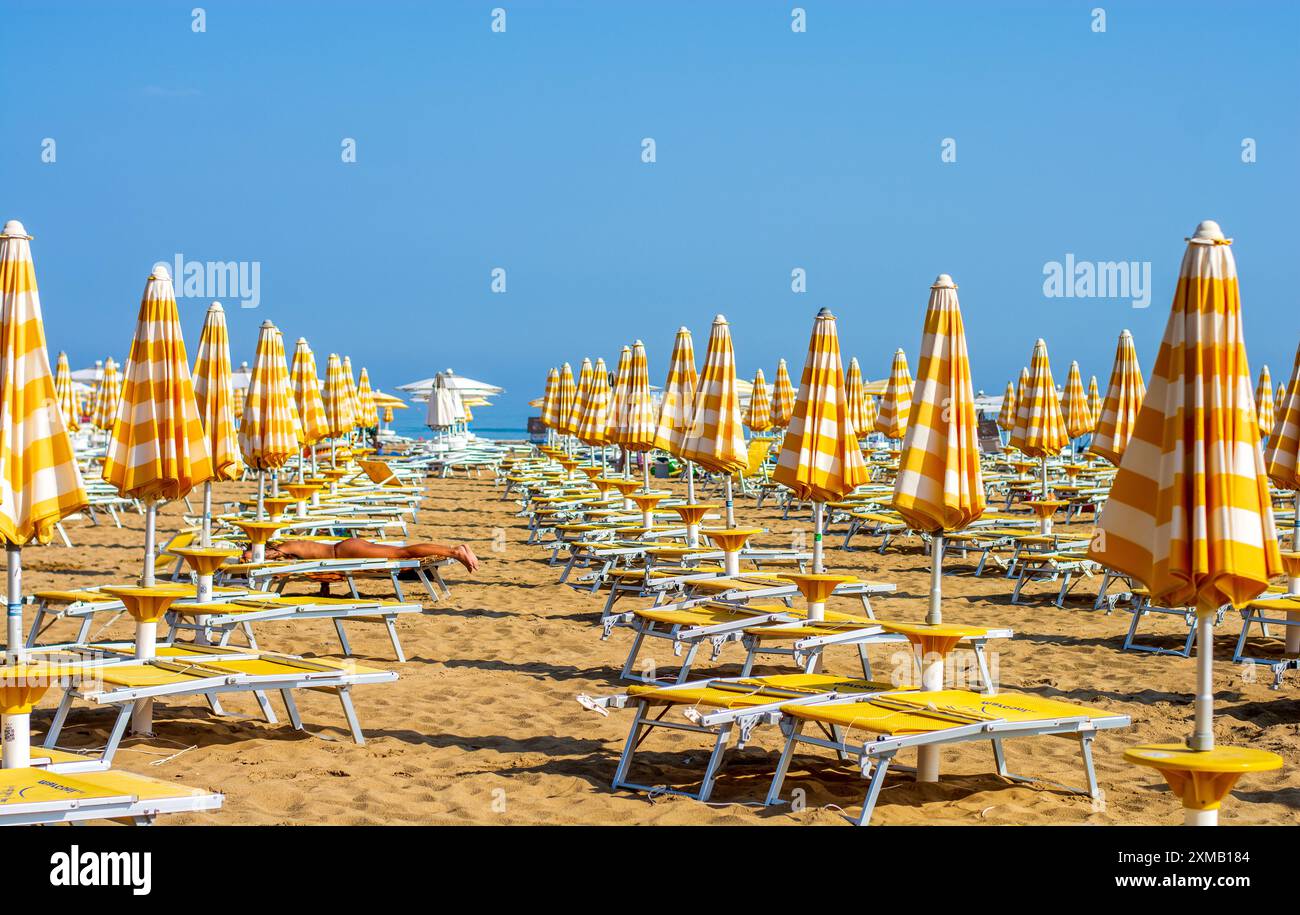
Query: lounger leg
point(36, 625)
point(631, 655)
point(837, 734)
point(343, 638)
point(1132, 628)
point(866, 607)
point(265, 704)
point(783, 765)
point(873, 789)
point(629, 748)
point(248, 634)
point(391, 623)
point(119, 728)
point(1085, 750)
point(1065, 588)
point(352, 587)
point(689, 660)
point(982, 661)
point(60, 716)
point(751, 654)
point(345, 697)
point(1247, 616)
point(84, 631)
point(715, 761)
point(428, 586)
point(291, 708)
point(1191, 636)
point(397, 587)
point(866, 661)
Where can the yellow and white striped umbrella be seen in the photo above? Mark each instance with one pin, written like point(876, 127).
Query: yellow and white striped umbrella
point(267, 436)
point(1189, 513)
point(1007, 415)
point(618, 395)
point(366, 397)
point(856, 399)
point(1123, 400)
point(896, 403)
point(108, 396)
point(1278, 400)
point(1021, 384)
point(637, 423)
point(39, 478)
point(566, 395)
point(593, 419)
point(1040, 428)
point(716, 440)
point(354, 401)
point(1094, 401)
point(579, 398)
point(939, 486)
point(1282, 459)
point(783, 397)
point(158, 449)
point(677, 406)
point(759, 417)
point(869, 413)
point(282, 366)
point(214, 394)
point(1264, 403)
point(820, 458)
point(550, 400)
point(1074, 405)
point(306, 394)
point(338, 407)
point(65, 394)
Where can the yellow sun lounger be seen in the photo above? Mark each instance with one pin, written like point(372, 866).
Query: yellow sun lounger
point(38, 796)
point(84, 604)
point(276, 575)
point(874, 729)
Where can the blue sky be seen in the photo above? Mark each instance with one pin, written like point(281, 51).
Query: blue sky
point(522, 150)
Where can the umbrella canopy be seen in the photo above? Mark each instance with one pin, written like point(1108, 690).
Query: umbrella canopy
point(338, 408)
point(1123, 401)
point(1189, 513)
point(637, 423)
point(306, 394)
point(158, 449)
point(1094, 401)
point(593, 422)
point(759, 417)
point(617, 397)
point(716, 440)
point(869, 412)
point(366, 397)
point(678, 402)
point(445, 408)
point(1282, 460)
point(856, 399)
point(1007, 415)
point(64, 393)
point(282, 367)
point(1074, 405)
point(353, 400)
point(266, 436)
point(939, 486)
point(1040, 428)
point(107, 397)
point(1264, 402)
point(896, 404)
point(580, 398)
point(783, 397)
point(215, 395)
point(550, 400)
point(40, 483)
point(565, 396)
point(820, 458)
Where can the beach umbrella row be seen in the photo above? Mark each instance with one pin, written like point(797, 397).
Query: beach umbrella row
point(1282, 459)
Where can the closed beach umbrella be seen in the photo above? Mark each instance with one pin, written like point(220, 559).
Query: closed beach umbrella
point(110, 394)
point(716, 440)
point(782, 397)
point(281, 364)
point(1094, 401)
point(1278, 400)
point(1074, 404)
point(64, 393)
point(855, 394)
point(579, 398)
point(354, 402)
point(215, 396)
point(1264, 403)
point(267, 436)
point(565, 396)
point(617, 398)
point(678, 403)
point(306, 394)
point(1123, 401)
point(637, 419)
point(897, 400)
point(593, 419)
point(1007, 415)
point(869, 415)
point(551, 400)
point(759, 418)
point(366, 397)
point(820, 458)
point(38, 471)
point(1189, 513)
point(1282, 459)
point(1040, 427)
point(338, 408)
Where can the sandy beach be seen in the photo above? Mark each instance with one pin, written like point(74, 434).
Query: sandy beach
point(483, 728)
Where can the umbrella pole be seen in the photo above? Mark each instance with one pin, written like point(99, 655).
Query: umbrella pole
point(645, 474)
point(205, 536)
point(1046, 526)
point(690, 482)
point(1203, 736)
point(14, 615)
point(1295, 524)
point(819, 520)
point(935, 614)
point(731, 510)
point(261, 495)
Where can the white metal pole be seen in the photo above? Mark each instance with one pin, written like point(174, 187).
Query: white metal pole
point(1200, 817)
point(261, 494)
point(690, 482)
point(17, 751)
point(645, 474)
point(731, 511)
point(150, 526)
point(731, 563)
point(1203, 736)
point(14, 610)
point(205, 537)
point(146, 634)
point(819, 521)
point(935, 615)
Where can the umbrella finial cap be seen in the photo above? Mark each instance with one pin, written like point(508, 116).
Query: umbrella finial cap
point(683, 329)
point(160, 271)
point(1208, 229)
point(14, 229)
point(824, 312)
point(267, 324)
point(638, 343)
point(944, 281)
point(215, 306)
point(719, 319)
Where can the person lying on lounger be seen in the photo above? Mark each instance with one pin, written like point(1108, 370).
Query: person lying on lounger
point(357, 548)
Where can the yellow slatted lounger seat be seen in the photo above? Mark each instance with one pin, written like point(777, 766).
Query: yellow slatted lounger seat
point(35, 795)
